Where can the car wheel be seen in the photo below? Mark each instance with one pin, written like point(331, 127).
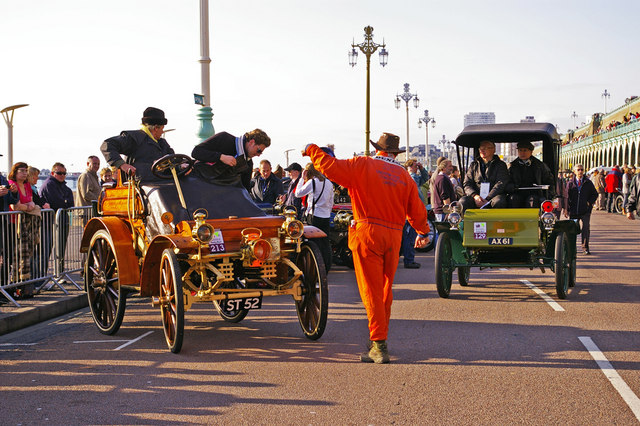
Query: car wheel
point(236, 315)
point(563, 265)
point(107, 300)
point(443, 265)
point(313, 308)
point(463, 275)
point(171, 300)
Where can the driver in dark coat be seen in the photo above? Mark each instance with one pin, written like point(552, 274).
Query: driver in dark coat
point(528, 171)
point(486, 180)
point(140, 147)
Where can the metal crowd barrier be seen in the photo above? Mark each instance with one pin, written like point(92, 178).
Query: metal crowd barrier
point(38, 253)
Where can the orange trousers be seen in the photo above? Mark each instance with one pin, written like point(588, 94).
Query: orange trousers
point(375, 252)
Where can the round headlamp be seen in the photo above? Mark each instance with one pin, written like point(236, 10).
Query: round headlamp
point(454, 218)
point(548, 219)
point(547, 206)
point(204, 233)
point(261, 249)
point(294, 229)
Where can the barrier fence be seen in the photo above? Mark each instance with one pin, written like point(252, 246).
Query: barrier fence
point(39, 252)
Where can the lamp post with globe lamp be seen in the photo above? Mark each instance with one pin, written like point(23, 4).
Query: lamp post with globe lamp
point(406, 96)
point(368, 47)
point(427, 120)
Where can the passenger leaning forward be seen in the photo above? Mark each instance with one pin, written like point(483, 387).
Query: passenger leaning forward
point(486, 180)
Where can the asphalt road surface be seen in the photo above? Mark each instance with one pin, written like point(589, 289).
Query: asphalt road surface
point(496, 352)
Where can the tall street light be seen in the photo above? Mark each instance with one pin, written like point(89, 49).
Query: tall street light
point(368, 47)
point(605, 95)
point(574, 116)
point(7, 113)
point(205, 115)
point(426, 120)
point(406, 97)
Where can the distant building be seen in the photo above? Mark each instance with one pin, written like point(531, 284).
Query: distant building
point(479, 118)
point(528, 119)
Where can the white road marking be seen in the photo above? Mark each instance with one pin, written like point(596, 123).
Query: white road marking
point(99, 341)
point(17, 344)
point(133, 341)
point(556, 307)
point(610, 373)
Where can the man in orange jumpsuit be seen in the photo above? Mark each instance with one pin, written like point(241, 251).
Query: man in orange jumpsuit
point(383, 195)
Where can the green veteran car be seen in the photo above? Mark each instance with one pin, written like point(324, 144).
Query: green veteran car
point(507, 237)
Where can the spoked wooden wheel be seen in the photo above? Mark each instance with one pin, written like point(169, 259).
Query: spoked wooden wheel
point(233, 315)
point(444, 268)
point(107, 300)
point(171, 300)
point(563, 265)
point(314, 306)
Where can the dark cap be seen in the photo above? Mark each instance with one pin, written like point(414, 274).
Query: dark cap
point(154, 116)
point(294, 166)
point(525, 144)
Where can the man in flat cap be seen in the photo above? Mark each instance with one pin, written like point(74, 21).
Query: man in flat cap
point(527, 171)
point(383, 195)
point(290, 199)
point(140, 147)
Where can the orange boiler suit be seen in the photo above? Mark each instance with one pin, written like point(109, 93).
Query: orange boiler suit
point(383, 195)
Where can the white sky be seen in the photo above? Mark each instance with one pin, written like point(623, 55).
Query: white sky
point(88, 69)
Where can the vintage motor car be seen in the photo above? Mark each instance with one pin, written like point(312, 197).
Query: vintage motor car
point(183, 240)
point(507, 237)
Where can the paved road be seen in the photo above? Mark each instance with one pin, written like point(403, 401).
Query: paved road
point(494, 352)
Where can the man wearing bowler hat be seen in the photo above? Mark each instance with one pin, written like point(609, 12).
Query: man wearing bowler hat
point(140, 147)
point(383, 196)
point(290, 199)
point(527, 171)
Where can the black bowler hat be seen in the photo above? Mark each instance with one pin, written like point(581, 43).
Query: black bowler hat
point(525, 144)
point(294, 166)
point(154, 116)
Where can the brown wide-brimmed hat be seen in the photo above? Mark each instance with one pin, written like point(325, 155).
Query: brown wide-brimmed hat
point(388, 142)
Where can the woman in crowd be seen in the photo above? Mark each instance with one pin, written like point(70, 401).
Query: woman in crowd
point(29, 225)
point(319, 192)
point(106, 176)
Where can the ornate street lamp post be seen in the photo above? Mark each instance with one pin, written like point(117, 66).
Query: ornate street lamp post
point(605, 95)
point(368, 47)
point(426, 120)
point(406, 97)
point(205, 113)
point(574, 116)
point(7, 113)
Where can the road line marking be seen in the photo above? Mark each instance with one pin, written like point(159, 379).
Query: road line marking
point(99, 341)
point(17, 344)
point(610, 373)
point(133, 341)
point(556, 307)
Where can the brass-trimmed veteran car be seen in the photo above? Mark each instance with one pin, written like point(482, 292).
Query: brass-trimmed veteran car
point(507, 237)
point(181, 240)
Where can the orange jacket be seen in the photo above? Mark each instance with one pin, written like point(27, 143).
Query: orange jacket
point(382, 191)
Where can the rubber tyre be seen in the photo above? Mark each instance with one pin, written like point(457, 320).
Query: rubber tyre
point(234, 316)
point(171, 300)
point(618, 204)
point(432, 237)
point(563, 265)
point(313, 308)
point(443, 266)
point(463, 275)
point(107, 300)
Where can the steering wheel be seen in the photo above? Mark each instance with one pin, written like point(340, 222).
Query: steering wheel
point(162, 166)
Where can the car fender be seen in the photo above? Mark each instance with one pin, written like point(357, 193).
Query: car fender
point(118, 229)
point(311, 231)
point(150, 276)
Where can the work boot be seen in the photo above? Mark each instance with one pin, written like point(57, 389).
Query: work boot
point(412, 265)
point(378, 353)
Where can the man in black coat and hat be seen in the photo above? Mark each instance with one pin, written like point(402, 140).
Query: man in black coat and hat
point(140, 147)
point(582, 196)
point(527, 171)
